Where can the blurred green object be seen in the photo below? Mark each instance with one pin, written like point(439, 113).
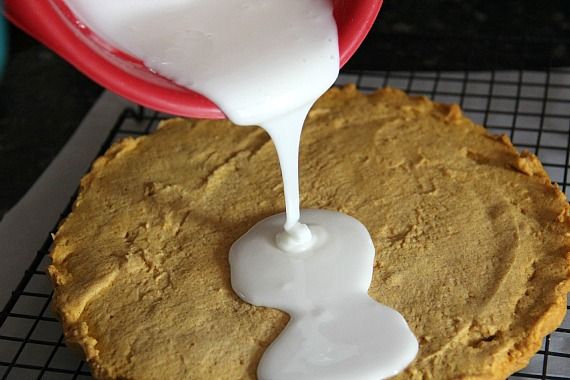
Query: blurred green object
point(3, 41)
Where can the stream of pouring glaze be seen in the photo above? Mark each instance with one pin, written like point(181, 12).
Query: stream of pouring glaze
point(265, 62)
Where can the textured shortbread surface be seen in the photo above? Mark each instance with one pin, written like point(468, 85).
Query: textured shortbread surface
point(471, 239)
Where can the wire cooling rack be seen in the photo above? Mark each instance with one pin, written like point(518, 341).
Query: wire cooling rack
point(531, 107)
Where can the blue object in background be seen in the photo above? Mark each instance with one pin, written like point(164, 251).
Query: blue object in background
point(3, 41)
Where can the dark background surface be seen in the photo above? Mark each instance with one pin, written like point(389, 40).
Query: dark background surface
point(43, 99)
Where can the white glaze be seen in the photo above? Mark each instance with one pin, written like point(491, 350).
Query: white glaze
point(336, 330)
point(266, 62)
point(285, 131)
point(256, 59)
point(263, 62)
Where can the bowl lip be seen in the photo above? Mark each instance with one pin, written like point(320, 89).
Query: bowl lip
point(53, 24)
point(357, 28)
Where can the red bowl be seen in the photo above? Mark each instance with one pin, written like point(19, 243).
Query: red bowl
point(53, 24)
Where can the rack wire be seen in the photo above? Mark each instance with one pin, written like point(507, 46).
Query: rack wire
point(531, 107)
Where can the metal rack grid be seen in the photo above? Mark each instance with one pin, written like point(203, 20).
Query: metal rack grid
point(531, 107)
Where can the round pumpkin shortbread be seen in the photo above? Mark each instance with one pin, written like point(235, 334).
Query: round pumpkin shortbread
point(471, 239)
